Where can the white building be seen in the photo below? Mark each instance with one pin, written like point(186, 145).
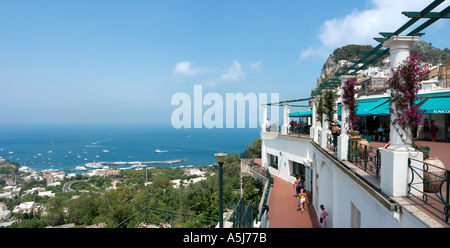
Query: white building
point(25, 207)
point(49, 194)
point(5, 214)
point(352, 196)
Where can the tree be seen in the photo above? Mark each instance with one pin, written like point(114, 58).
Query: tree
point(84, 209)
point(253, 150)
point(55, 211)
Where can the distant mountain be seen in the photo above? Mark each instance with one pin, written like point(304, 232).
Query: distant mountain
point(341, 57)
point(432, 54)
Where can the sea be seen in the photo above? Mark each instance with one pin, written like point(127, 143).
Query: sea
point(66, 146)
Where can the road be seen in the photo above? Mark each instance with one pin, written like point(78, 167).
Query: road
point(66, 186)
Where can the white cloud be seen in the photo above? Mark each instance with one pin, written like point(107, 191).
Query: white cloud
point(256, 65)
point(360, 27)
point(212, 76)
point(185, 68)
point(234, 73)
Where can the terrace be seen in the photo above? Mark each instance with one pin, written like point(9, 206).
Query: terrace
point(364, 156)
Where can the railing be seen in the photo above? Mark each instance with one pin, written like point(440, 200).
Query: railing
point(162, 218)
point(263, 220)
point(299, 130)
point(365, 157)
point(274, 128)
point(332, 142)
point(258, 170)
point(242, 217)
point(432, 188)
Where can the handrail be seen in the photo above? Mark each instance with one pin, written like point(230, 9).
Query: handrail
point(433, 187)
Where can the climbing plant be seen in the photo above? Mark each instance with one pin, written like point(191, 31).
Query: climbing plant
point(405, 84)
point(329, 106)
point(348, 99)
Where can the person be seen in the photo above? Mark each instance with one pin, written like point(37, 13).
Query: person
point(335, 130)
point(323, 216)
point(381, 129)
point(447, 136)
point(297, 186)
point(433, 130)
point(386, 129)
point(303, 197)
point(267, 124)
point(387, 144)
point(426, 129)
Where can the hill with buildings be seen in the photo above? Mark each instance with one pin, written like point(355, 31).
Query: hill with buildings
point(342, 56)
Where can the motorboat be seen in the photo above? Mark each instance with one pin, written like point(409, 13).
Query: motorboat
point(157, 150)
point(94, 165)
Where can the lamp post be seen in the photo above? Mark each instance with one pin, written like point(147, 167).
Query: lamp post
point(257, 205)
point(220, 158)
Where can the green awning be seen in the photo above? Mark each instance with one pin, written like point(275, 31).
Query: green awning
point(370, 107)
point(436, 105)
point(301, 114)
point(382, 109)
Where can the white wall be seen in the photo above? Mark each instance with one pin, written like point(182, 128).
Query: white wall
point(332, 186)
point(287, 149)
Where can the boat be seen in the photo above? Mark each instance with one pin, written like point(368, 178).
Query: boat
point(80, 168)
point(93, 165)
point(157, 150)
point(105, 150)
point(50, 151)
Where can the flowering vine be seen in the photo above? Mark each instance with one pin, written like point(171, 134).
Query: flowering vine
point(348, 100)
point(404, 85)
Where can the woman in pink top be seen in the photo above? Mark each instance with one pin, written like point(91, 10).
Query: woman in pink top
point(323, 215)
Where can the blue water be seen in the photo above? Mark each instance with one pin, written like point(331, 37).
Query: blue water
point(62, 146)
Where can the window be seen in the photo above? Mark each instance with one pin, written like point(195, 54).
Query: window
point(273, 161)
point(297, 169)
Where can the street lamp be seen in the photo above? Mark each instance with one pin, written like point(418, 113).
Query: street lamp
point(257, 205)
point(220, 158)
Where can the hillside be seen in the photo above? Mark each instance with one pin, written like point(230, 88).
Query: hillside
point(341, 57)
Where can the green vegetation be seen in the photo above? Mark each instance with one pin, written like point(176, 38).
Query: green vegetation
point(253, 150)
point(114, 199)
point(350, 52)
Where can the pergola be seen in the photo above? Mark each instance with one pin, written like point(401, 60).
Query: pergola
point(378, 52)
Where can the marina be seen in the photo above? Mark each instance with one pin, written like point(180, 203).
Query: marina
point(133, 164)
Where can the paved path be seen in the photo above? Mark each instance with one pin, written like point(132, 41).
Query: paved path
point(438, 149)
point(283, 210)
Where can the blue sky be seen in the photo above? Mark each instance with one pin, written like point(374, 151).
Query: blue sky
point(122, 61)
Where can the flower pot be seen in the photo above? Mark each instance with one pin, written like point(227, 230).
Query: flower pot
point(354, 135)
point(434, 175)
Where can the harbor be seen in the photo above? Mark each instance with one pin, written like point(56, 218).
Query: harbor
point(132, 164)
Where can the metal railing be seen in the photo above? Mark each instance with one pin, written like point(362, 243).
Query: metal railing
point(432, 186)
point(299, 130)
point(365, 157)
point(162, 218)
point(259, 171)
point(332, 142)
point(264, 223)
point(242, 217)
